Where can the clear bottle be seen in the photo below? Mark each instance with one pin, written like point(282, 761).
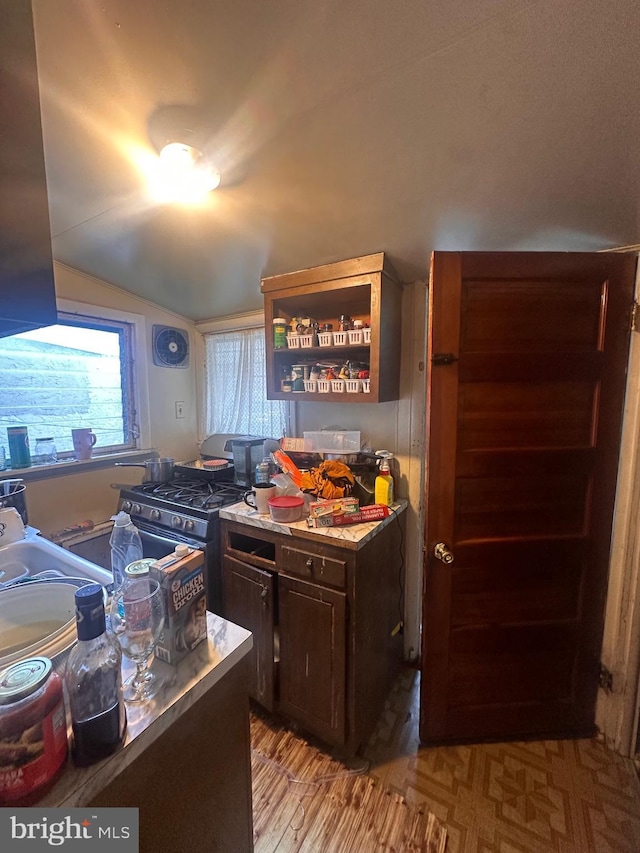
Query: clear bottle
point(126, 546)
point(263, 471)
point(93, 679)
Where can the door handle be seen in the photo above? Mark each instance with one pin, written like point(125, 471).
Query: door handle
point(442, 552)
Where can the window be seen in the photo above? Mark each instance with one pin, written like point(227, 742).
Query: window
point(77, 373)
point(236, 386)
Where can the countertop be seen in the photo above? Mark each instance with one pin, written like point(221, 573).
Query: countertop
point(182, 686)
point(352, 536)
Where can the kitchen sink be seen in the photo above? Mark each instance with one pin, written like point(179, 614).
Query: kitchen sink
point(36, 557)
point(37, 585)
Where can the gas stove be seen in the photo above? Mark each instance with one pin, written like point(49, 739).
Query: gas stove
point(189, 505)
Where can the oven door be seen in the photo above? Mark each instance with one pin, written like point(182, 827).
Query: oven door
point(156, 545)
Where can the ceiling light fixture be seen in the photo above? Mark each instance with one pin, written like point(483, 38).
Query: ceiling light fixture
point(185, 175)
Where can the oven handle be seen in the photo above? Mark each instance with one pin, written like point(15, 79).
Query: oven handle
point(170, 541)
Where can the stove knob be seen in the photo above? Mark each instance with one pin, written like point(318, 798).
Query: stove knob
point(189, 525)
point(176, 521)
point(136, 508)
point(155, 514)
point(126, 506)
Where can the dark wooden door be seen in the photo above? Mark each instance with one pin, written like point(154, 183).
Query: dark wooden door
point(527, 357)
point(313, 657)
point(249, 601)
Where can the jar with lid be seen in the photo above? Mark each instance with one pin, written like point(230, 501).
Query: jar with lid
point(344, 323)
point(279, 333)
point(45, 452)
point(33, 731)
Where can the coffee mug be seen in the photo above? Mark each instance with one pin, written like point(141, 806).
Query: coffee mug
point(261, 492)
point(83, 441)
point(11, 526)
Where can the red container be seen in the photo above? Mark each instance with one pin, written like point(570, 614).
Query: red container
point(33, 731)
point(286, 508)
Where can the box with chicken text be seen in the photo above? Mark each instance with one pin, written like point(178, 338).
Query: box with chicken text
point(185, 605)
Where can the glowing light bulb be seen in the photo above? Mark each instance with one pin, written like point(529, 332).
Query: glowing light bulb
point(184, 175)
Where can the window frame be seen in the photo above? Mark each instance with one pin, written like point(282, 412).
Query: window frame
point(135, 362)
point(138, 410)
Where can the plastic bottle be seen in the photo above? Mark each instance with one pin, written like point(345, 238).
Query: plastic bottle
point(94, 682)
point(384, 485)
point(126, 546)
point(263, 471)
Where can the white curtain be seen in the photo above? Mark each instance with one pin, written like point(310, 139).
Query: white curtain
point(236, 389)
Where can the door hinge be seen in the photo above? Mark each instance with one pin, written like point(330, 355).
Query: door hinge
point(442, 358)
point(634, 316)
point(605, 681)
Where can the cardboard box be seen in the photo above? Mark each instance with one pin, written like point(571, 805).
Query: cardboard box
point(336, 506)
point(185, 622)
point(374, 512)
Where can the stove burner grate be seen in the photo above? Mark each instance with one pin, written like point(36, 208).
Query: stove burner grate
point(199, 494)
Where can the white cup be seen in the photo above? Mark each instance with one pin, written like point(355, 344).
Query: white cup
point(261, 493)
point(83, 442)
point(11, 526)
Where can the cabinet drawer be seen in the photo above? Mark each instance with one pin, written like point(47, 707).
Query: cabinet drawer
point(307, 564)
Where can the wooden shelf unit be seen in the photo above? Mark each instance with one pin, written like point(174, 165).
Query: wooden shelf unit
point(365, 288)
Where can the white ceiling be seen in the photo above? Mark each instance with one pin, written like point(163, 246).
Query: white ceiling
point(342, 127)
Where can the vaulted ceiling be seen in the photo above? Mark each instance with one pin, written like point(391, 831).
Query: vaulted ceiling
point(342, 127)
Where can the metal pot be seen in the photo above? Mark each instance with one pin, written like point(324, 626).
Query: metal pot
point(157, 470)
point(14, 493)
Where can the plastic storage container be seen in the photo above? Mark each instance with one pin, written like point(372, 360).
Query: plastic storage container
point(286, 508)
point(332, 441)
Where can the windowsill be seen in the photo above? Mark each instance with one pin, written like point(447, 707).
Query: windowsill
point(76, 466)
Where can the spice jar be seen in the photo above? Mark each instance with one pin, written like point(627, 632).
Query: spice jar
point(344, 323)
point(33, 730)
point(279, 333)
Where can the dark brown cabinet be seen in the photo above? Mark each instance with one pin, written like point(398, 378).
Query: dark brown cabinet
point(365, 288)
point(249, 602)
point(27, 292)
point(324, 619)
point(313, 628)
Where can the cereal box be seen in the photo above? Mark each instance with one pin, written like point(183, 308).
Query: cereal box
point(183, 585)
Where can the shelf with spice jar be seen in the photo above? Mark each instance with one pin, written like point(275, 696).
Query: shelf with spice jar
point(348, 311)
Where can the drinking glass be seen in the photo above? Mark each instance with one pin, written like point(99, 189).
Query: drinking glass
point(137, 620)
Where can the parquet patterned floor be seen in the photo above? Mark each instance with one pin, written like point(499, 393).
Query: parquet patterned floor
point(571, 796)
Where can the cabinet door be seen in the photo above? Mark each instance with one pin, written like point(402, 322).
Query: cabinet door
point(248, 600)
point(26, 265)
point(313, 657)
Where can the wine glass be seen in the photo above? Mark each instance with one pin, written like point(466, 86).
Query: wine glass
point(137, 620)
